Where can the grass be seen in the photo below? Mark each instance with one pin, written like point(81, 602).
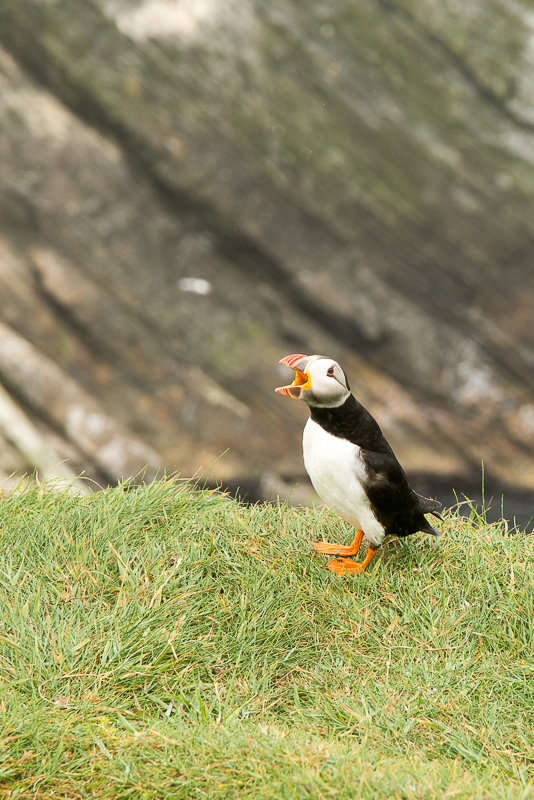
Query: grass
point(161, 642)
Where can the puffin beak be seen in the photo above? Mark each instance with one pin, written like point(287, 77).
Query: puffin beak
point(302, 381)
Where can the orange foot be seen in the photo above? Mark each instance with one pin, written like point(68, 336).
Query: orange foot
point(347, 567)
point(344, 567)
point(340, 549)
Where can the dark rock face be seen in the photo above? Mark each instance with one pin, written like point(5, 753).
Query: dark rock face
point(189, 192)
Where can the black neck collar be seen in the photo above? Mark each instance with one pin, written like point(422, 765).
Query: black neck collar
point(353, 422)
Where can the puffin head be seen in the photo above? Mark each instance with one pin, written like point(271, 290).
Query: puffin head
point(319, 381)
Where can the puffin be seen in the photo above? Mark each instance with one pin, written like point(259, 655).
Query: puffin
point(351, 465)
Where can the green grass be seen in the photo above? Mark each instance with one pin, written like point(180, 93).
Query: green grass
point(158, 642)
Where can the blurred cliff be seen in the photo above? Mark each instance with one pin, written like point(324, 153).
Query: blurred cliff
point(191, 190)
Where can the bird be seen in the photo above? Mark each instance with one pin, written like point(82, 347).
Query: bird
point(351, 465)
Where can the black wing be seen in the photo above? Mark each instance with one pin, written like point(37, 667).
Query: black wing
point(396, 505)
point(387, 485)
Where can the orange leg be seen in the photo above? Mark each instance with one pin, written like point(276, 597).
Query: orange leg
point(340, 549)
point(347, 567)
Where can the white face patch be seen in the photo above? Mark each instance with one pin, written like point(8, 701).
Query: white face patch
point(328, 387)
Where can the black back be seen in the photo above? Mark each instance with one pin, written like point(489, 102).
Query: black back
point(396, 506)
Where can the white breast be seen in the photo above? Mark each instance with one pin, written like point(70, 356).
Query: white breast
point(337, 472)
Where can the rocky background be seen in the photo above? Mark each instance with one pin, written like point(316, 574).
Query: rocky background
point(192, 189)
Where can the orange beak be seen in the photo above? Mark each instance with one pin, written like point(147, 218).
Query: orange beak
point(302, 379)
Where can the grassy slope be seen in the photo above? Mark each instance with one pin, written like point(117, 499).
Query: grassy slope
point(164, 643)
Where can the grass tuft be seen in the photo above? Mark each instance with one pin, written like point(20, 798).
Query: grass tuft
point(165, 642)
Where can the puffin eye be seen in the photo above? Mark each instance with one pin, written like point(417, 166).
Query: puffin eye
point(330, 371)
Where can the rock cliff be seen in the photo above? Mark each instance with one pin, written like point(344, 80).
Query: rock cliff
point(189, 191)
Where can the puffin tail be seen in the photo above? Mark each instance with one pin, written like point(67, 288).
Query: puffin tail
point(426, 527)
point(428, 506)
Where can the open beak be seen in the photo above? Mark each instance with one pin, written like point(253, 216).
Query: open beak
point(302, 381)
